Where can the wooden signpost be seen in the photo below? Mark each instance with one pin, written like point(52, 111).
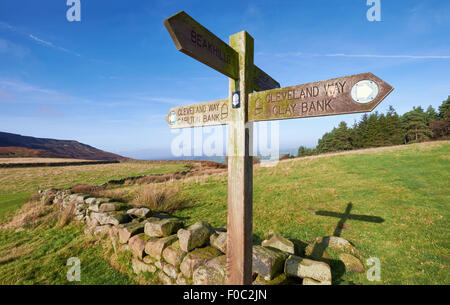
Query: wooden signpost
point(193, 39)
point(322, 98)
point(255, 96)
point(202, 114)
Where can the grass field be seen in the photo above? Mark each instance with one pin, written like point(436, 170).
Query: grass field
point(17, 184)
point(407, 186)
point(39, 256)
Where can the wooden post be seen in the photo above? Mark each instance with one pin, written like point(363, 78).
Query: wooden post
point(240, 169)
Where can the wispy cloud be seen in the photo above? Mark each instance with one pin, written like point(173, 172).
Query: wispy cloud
point(11, 28)
point(4, 25)
point(14, 91)
point(19, 92)
point(41, 41)
point(51, 45)
point(386, 56)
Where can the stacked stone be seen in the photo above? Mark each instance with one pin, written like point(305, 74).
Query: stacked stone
point(277, 260)
point(100, 214)
point(161, 244)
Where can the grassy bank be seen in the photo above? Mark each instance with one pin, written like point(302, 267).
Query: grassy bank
point(17, 184)
point(35, 247)
point(408, 187)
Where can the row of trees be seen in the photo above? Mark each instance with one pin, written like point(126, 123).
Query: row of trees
point(377, 130)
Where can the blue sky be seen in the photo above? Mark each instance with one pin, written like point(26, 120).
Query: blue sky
point(109, 80)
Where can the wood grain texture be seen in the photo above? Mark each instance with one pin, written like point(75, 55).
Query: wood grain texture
point(193, 39)
point(240, 170)
point(263, 81)
point(322, 98)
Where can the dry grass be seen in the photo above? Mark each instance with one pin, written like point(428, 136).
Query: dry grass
point(34, 213)
point(35, 197)
point(118, 194)
point(158, 198)
point(86, 188)
point(19, 180)
point(100, 191)
point(30, 215)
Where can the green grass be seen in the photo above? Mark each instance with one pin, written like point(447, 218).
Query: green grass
point(406, 186)
point(12, 201)
point(39, 256)
point(17, 184)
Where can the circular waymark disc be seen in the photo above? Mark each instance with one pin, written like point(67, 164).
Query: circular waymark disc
point(365, 91)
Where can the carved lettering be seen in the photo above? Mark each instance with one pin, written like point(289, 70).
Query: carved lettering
point(312, 107)
point(199, 41)
point(304, 107)
point(210, 113)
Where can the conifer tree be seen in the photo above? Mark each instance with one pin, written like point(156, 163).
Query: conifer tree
point(415, 125)
point(431, 114)
point(304, 151)
point(394, 131)
point(441, 126)
point(376, 130)
point(444, 109)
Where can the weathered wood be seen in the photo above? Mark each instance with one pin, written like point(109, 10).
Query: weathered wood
point(240, 170)
point(262, 81)
point(329, 97)
point(193, 39)
point(202, 114)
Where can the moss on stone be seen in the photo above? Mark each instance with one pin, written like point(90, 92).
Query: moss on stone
point(206, 252)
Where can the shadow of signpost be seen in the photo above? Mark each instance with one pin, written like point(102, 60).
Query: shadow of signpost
point(346, 215)
point(338, 268)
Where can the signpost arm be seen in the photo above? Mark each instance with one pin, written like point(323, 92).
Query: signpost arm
point(240, 169)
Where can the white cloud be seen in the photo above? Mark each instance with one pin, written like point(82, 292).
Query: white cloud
point(6, 26)
point(14, 91)
point(19, 92)
point(41, 41)
point(387, 56)
point(51, 45)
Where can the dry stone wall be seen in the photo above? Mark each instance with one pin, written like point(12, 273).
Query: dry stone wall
point(196, 254)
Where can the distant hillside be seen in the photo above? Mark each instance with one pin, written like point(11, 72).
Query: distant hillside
point(14, 145)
